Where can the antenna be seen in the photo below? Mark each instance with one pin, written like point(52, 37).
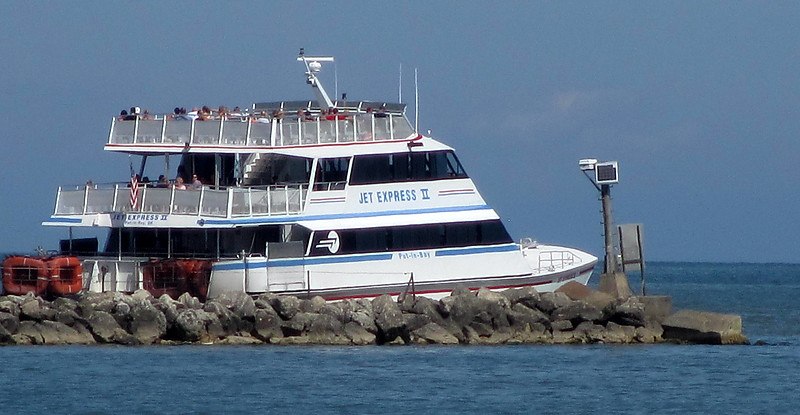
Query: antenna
point(416, 102)
point(400, 85)
point(313, 66)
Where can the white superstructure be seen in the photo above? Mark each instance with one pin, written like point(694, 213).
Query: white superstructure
point(331, 198)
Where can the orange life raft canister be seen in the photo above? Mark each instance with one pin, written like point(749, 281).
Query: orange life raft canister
point(66, 275)
point(22, 274)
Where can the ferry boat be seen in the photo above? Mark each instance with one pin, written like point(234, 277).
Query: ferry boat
point(336, 198)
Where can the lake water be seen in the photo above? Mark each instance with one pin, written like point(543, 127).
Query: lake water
point(435, 379)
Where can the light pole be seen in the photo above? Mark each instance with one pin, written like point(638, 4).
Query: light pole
point(606, 174)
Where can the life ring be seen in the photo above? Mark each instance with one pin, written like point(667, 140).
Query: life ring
point(164, 277)
point(22, 274)
point(199, 278)
point(66, 275)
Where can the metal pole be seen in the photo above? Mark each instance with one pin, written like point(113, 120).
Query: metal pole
point(608, 225)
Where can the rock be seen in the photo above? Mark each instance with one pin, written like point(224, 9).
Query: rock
point(528, 296)
point(64, 303)
point(243, 305)
point(649, 334)
point(267, 324)
point(326, 329)
point(142, 295)
point(190, 325)
point(32, 310)
point(494, 298)
point(548, 302)
point(239, 341)
point(656, 307)
point(357, 334)
point(577, 312)
point(105, 328)
point(52, 332)
point(432, 333)
point(363, 319)
point(147, 323)
point(461, 309)
point(286, 306)
point(190, 302)
point(389, 319)
point(575, 290)
point(704, 327)
point(314, 305)
point(500, 336)
point(615, 284)
point(521, 317)
point(618, 334)
point(9, 322)
point(104, 301)
point(10, 307)
point(630, 312)
point(561, 325)
point(68, 317)
point(601, 301)
point(298, 324)
point(415, 321)
point(6, 337)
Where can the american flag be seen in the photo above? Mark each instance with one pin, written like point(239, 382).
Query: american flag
point(134, 191)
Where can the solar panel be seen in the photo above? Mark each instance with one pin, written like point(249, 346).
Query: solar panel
point(606, 173)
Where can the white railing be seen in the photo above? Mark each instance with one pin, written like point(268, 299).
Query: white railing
point(230, 202)
point(555, 260)
point(247, 131)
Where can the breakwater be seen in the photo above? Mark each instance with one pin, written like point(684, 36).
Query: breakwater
point(574, 314)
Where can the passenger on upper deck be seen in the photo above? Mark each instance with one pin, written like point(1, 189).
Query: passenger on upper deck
point(262, 118)
point(382, 112)
point(196, 183)
point(123, 115)
point(162, 182)
point(179, 183)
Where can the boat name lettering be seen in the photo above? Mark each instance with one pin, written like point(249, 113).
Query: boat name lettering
point(139, 218)
point(385, 196)
point(413, 255)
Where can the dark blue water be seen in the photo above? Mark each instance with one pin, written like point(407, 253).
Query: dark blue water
point(505, 379)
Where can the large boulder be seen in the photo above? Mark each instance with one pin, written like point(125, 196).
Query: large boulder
point(34, 309)
point(524, 318)
point(53, 332)
point(389, 319)
point(326, 329)
point(267, 324)
point(147, 323)
point(358, 335)
point(548, 302)
point(630, 312)
point(577, 312)
point(575, 290)
point(9, 322)
point(105, 328)
point(704, 327)
point(190, 325)
point(528, 296)
point(286, 306)
point(432, 333)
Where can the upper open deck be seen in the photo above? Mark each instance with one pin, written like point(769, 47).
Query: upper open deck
point(276, 124)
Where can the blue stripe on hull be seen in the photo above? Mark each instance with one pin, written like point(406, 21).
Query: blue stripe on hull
point(343, 259)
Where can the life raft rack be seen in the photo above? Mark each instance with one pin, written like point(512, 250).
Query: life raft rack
point(60, 275)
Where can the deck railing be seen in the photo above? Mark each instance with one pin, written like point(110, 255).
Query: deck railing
point(227, 203)
point(247, 131)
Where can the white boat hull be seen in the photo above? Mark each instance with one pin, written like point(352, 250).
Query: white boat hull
point(432, 273)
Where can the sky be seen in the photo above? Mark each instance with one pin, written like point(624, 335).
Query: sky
point(697, 101)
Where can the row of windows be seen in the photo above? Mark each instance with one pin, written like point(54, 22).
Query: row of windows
point(401, 167)
point(406, 238)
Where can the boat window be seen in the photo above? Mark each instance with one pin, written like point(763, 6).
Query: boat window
point(405, 238)
point(402, 167)
point(191, 243)
point(331, 173)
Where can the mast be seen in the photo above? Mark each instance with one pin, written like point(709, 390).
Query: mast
point(313, 67)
